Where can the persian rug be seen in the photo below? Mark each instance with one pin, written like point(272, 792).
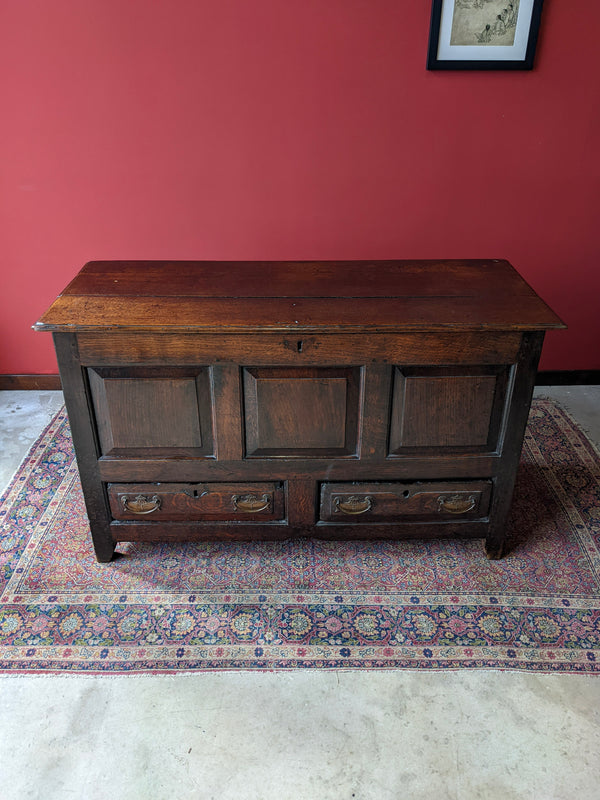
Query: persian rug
point(306, 603)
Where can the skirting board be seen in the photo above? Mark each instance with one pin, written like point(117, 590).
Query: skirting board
point(36, 382)
point(567, 377)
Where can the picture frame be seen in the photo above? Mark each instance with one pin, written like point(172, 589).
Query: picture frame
point(483, 34)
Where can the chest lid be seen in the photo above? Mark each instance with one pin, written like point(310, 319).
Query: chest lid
point(245, 296)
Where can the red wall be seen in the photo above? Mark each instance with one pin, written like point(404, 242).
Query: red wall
point(273, 129)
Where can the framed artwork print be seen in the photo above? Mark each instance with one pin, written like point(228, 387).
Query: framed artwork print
point(483, 34)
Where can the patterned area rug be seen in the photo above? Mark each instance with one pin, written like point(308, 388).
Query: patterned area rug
point(308, 603)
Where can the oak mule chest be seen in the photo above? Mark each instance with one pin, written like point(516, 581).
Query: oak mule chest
point(237, 400)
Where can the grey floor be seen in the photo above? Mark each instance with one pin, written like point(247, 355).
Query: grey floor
point(295, 735)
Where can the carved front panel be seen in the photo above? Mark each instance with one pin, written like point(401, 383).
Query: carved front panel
point(303, 412)
point(152, 411)
point(447, 408)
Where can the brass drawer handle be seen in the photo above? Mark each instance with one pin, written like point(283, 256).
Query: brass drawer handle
point(140, 504)
point(353, 504)
point(250, 503)
point(456, 503)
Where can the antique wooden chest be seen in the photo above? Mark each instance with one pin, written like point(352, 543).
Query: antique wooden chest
point(277, 399)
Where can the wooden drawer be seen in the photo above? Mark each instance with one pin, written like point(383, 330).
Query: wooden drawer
point(355, 503)
point(230, 502)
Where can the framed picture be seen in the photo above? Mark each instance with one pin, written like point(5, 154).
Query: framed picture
point(483, 34)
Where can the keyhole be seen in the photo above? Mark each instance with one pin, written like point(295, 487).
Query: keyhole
point(299, 345)
point(196, 493)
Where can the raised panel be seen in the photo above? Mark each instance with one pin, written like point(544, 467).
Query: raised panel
point(302, 412)
point(150, 412)
point(447, 408)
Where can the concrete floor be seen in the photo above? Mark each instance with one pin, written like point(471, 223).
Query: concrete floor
point(295, 735)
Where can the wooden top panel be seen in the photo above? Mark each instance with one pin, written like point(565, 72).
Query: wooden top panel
point(284, 296)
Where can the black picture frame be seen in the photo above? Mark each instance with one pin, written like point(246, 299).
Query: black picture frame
point(461, 38)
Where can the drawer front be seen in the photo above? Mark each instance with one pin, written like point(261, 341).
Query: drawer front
point(355, 503)
point(229, 502)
